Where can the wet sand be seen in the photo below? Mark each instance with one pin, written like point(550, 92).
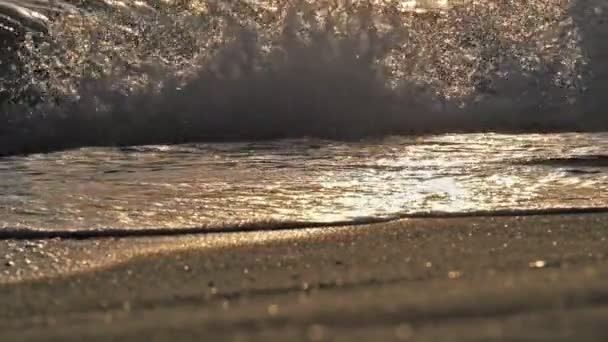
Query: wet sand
point(459, 279)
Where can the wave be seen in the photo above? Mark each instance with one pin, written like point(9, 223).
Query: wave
point(161, 72)
point(26, 233)
point(597, 160)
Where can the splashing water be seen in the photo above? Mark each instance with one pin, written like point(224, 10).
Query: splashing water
point(163, 73)
point(141, 72)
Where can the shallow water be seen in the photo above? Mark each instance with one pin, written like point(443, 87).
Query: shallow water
point(301, 180)
point(125, 73)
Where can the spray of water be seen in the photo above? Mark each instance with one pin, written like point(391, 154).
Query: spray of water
point(159, 71)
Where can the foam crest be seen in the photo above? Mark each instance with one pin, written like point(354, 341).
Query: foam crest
point(123, 73)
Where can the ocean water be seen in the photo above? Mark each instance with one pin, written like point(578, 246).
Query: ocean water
point(304, 180)
point(125, 115)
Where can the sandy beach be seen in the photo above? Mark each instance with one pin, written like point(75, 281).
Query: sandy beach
point(458, 279)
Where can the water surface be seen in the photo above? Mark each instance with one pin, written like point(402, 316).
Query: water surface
point(301, 180)
point(159, 74)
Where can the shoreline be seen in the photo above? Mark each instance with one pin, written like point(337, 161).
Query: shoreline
point(486, 278)
point(28, 233)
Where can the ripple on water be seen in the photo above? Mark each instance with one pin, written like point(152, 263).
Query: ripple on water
point(301, 180)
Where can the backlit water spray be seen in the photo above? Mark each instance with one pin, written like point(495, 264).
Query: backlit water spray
point(141, 72)
point(220, 114)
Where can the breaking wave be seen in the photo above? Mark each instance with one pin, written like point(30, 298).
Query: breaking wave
point(110, 72)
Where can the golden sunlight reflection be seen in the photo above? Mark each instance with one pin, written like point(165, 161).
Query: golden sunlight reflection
point(301, 180)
